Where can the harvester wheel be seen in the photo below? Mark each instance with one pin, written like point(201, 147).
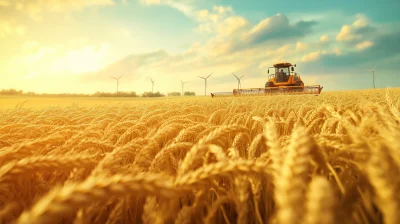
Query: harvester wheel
point(299, 83)
point(269, 84)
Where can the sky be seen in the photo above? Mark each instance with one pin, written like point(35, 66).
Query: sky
point(75, 46)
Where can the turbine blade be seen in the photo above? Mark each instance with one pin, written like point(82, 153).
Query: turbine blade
point(241, 76)
point(201, 77)
point(374, 68)
point(210, 75)
point(235, 75)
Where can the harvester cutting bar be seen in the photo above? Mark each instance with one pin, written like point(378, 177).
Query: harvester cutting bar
point(285, 90)
point(294, 90)
point(222, 94)
point(240, 92)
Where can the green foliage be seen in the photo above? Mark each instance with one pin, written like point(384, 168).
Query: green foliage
point(11, 92)
point(174, 94)
point(187, 93)
point(150, 94)
point(119, 94)
point(97, 94)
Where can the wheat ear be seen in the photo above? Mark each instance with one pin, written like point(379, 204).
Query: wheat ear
point(63, 201)
point(291, 185)
point(379, 168)
point(222, 168)
point(321, 202)
point(34, 164)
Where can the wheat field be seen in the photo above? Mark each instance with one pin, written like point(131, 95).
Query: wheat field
point(333, 158)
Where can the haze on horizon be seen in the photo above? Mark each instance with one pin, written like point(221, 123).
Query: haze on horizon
point(75, 46)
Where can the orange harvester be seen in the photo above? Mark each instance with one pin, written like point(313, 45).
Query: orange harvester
point(283, 81)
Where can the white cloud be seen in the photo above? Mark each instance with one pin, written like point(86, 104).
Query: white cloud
point(313, 56)
point(232, 25)
point(222, 10)
point(14, 13)
point(336, 51)
point(269, 24)
point(346, 34)
point(35, 8)
point(324, 39)
point(283, 50)
point(185, 6)
point(204, 28)
point(300, 46)
point(361, 21)
point(234, 33)
point(218, 20)
point(351, 32)
point(364, 45)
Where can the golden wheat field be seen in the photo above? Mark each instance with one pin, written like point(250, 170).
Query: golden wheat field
point(333, 158)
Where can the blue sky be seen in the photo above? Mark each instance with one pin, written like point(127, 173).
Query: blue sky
point(75, 46)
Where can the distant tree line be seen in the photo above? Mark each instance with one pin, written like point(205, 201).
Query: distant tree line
point(11, 92)
point(14, 92)
point(120, 94)
point(187, 93)
point(150, 94)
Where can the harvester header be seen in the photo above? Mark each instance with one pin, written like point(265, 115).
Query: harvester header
point(282, 81)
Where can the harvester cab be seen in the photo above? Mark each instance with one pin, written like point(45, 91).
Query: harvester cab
point(283, 80)
point(284, 75)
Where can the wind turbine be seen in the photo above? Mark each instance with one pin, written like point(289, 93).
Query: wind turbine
point(205, 82)
point(152, 84)
point(183, 83)
point(117, 81)
point(239, 84)
point(373, 75)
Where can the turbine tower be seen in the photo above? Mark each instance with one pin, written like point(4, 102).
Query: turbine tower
point(152, 84)
point(239, 84)
point(117, 81)
point(183, 83)
point(205, 83)
point(373, 75)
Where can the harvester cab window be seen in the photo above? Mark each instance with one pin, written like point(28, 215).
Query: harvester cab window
point(282, 74)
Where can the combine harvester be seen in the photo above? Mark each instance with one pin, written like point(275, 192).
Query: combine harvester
point(281, 82)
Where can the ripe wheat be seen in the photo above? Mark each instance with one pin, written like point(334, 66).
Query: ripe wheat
point(279, 159)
